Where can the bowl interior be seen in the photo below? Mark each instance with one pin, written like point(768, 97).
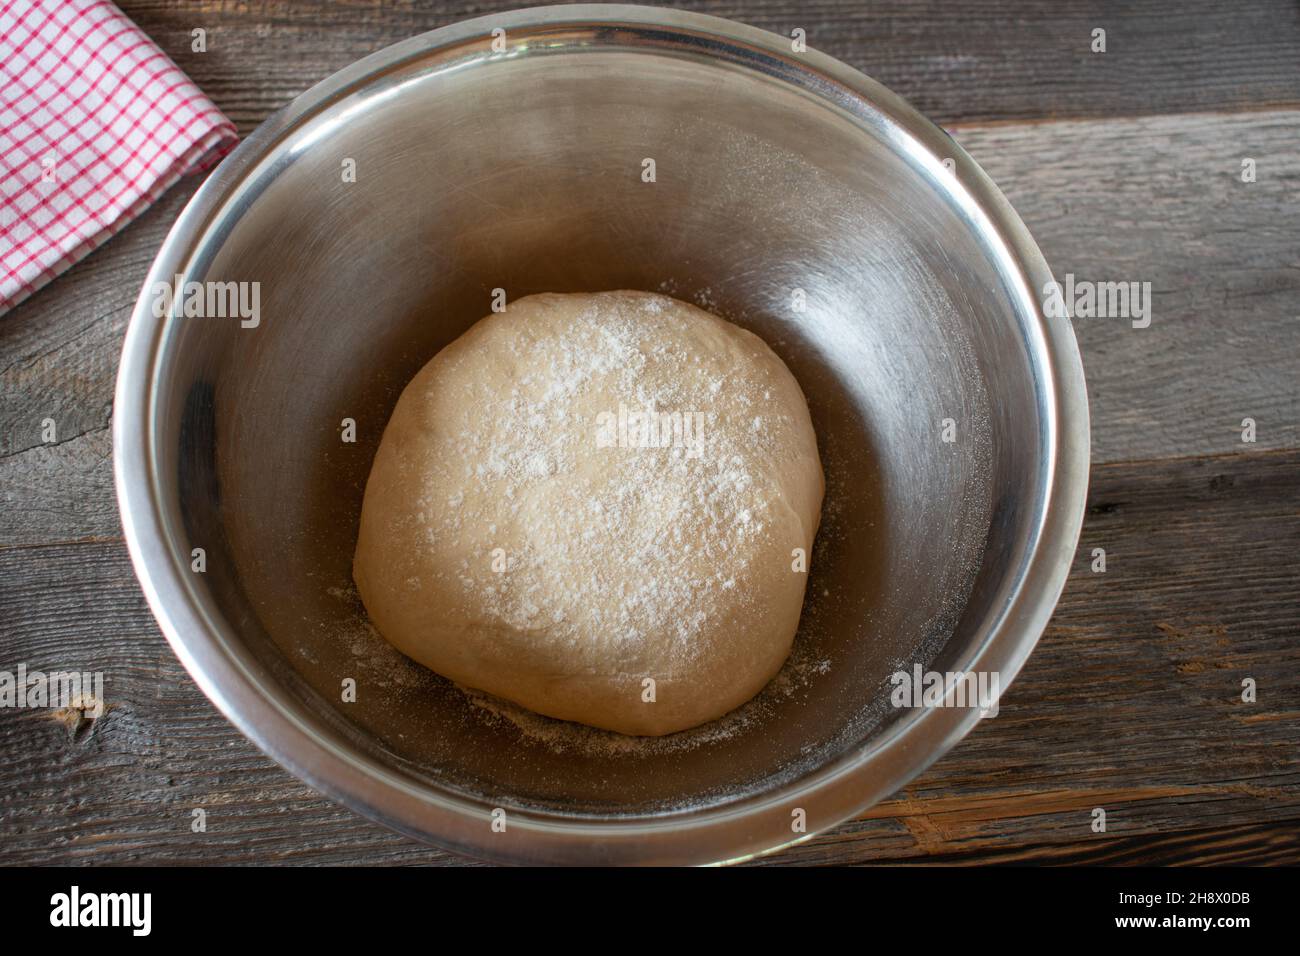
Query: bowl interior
point(836, 241)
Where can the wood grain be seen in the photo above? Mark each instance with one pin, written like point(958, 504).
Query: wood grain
point(1132, 702)
point(957, 62)
point(1276, 844)
point(1160, 200)
point(1222, 256)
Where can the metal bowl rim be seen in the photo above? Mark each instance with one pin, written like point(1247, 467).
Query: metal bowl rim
point(727, 832)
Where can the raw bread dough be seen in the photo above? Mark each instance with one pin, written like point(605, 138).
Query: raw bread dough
point(525, 533)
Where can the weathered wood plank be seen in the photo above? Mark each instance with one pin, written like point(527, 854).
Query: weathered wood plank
point(1154, 200)
point(1161, 200)
point(1132, 703)
point(59, 353)
point(995, 59)
point(1267, 844)
point(59, 349)
point(61, 491)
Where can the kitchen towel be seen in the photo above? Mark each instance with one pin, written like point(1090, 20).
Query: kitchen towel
point(96, 122)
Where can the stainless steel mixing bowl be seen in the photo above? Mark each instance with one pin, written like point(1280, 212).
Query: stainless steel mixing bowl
point(790, 194)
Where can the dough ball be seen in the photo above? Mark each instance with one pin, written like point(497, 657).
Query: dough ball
point(589, 492)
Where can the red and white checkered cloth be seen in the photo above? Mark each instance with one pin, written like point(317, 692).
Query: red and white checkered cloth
point(96, 122)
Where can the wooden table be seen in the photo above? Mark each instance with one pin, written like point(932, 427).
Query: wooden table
point(1126, 165)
